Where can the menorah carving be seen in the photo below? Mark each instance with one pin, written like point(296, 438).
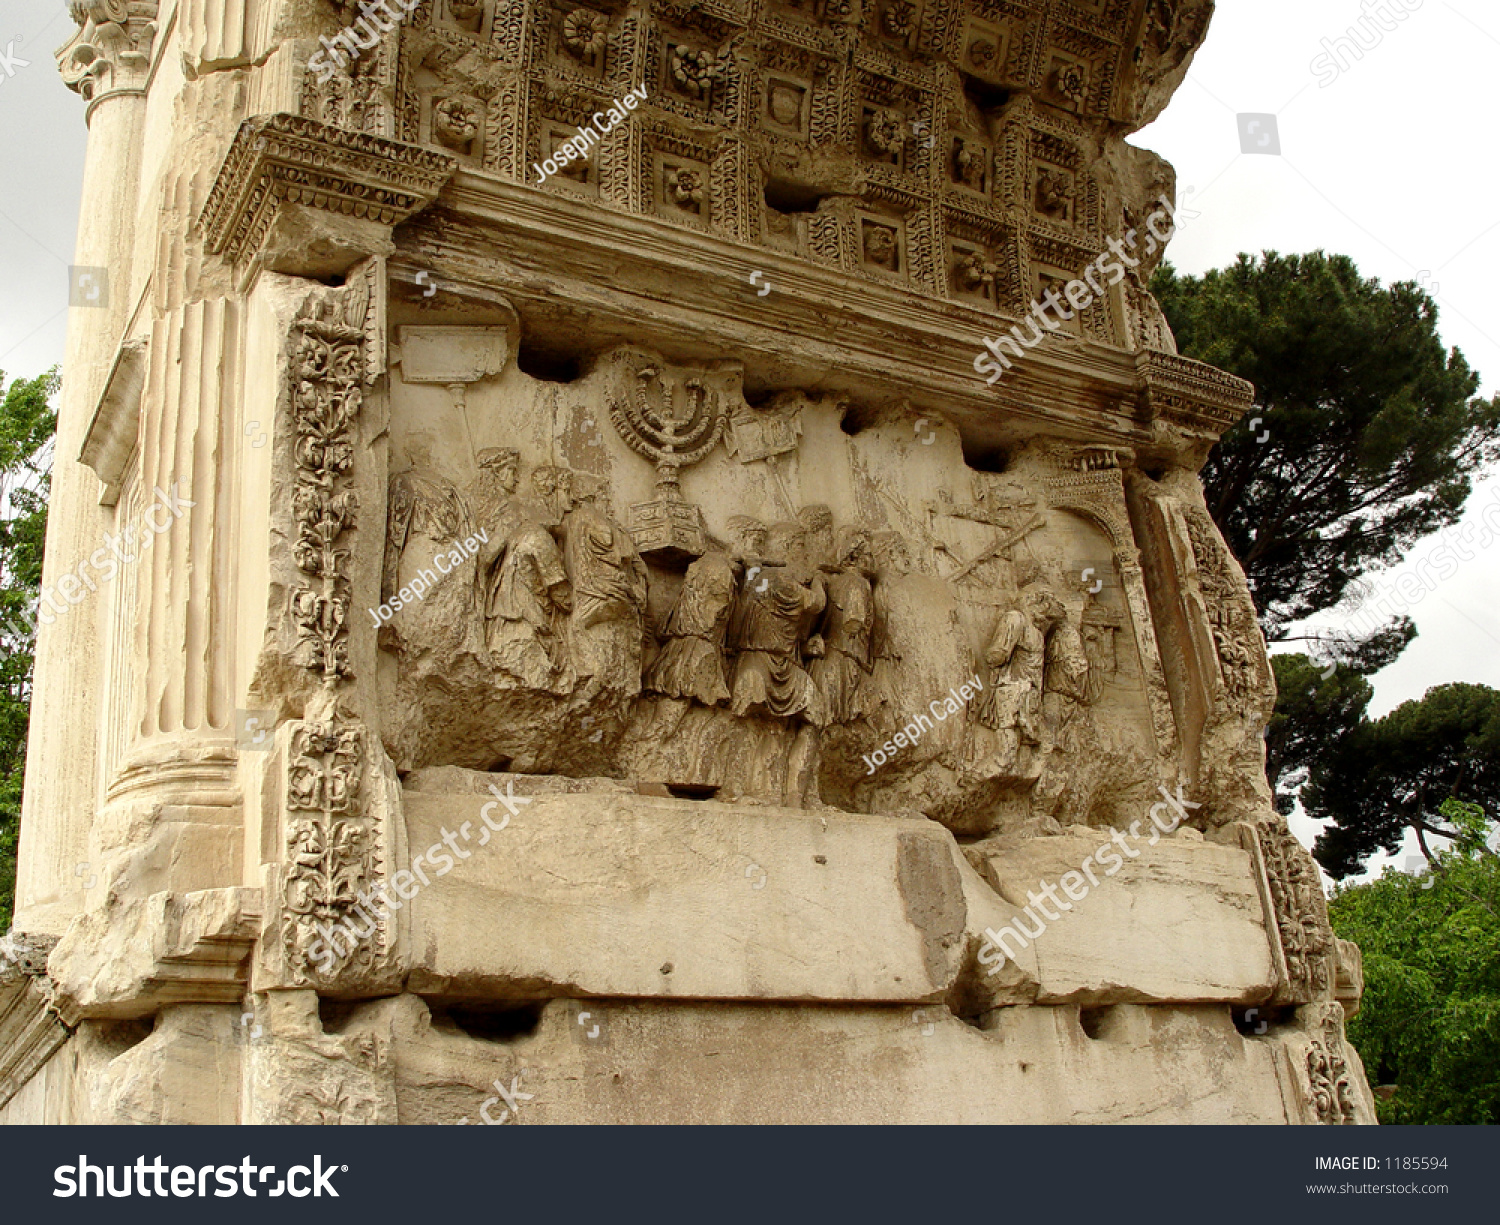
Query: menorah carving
point(673, 418)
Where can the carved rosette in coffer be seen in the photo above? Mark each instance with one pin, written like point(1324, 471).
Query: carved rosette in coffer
point(938, 147)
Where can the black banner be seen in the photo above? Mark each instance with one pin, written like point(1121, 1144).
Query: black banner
point(1218, 1174)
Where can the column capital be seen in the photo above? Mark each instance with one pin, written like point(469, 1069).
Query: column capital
point(111, 53)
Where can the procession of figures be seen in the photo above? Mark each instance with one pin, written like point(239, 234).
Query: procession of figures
point(787, 627)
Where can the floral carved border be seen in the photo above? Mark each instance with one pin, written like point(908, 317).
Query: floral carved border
point(334, 844)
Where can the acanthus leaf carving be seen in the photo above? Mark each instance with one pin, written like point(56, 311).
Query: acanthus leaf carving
point(111, 52)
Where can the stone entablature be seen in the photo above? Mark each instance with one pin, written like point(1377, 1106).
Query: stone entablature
point(961, 150)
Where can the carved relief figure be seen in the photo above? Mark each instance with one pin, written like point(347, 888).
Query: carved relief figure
point(469, 14)
point(691, 663)
point(975, 272)
point(885, 133)
point(527, 596)
point(778, 605)
point(1012, 704)
point(1098, 628)
point(421, 504)
point(771, 618)
point(892, 561)
point(1054, 193)
point(607, 627)
point(882, 246)
point(969, 161)
point(816, 541)
point(1068, 690)
point(848, 622)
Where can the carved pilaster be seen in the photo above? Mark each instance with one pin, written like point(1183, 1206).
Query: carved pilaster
point(334, 852)
point(1330, 1091)
point(334, 845)
point(1302, 941)
point(30, 1029)
point(1245, 682)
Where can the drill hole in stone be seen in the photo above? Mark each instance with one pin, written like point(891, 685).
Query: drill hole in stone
point(1094, 1021)
point(786, 197)
point(985, 458)
point(1258, 1021)
point(550, 363)
point(491, 1023)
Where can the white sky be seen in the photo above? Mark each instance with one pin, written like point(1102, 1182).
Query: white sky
point(1379, 164)
point(1387, 164)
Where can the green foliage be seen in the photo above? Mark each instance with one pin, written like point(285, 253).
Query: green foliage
point(1393, 774)
point(27, 426)
point(1315, 707)
point(1375, 431)
point(1429, 1026)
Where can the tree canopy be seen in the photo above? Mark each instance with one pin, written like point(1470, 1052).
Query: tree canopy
point(1372, 429)
point(27, 426)
point(1315, 708)
point(1388, 775)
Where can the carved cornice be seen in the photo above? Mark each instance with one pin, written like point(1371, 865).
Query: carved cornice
point(1196, 397)
point(279, 160)
point(110, 55)
point(170, 948)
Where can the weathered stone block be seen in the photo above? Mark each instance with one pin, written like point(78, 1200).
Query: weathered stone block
point(1181, 923)
point(630, 895)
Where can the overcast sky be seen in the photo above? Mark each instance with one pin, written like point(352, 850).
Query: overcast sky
point(1383, 159)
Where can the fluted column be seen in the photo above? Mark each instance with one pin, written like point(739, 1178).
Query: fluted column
point(108, 63)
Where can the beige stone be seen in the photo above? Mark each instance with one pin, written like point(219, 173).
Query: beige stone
point(1183, 922)
point(631, 896)
point(701, 489)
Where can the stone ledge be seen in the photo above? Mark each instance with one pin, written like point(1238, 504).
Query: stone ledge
point(611, 894)
point(1183, 923)
point(735, 1063)
point(30, 1030)
point(131, 958)
point(283, 171)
